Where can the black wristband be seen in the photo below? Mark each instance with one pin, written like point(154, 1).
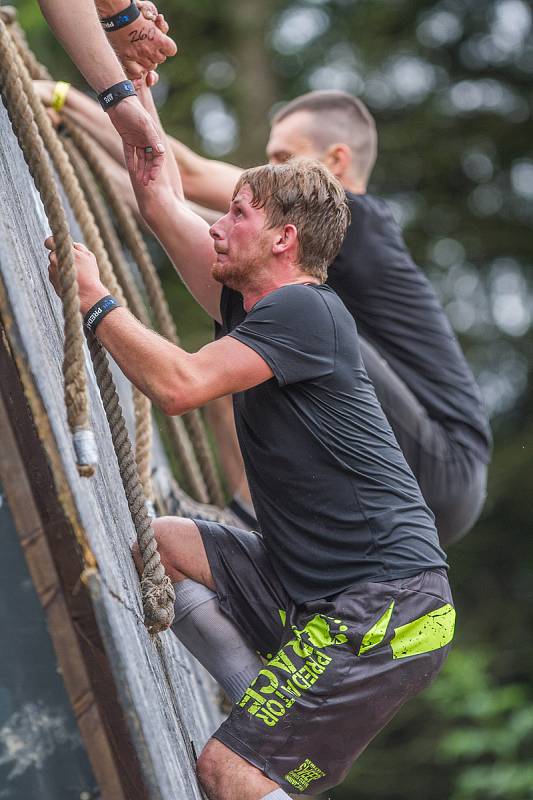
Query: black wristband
point(101, 309)
point(110, 97)
point(120, 20)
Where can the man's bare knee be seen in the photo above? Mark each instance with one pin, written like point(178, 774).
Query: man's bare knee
point(225, 776)
point(181, 550)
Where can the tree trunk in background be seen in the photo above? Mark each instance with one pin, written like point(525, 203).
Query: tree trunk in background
point(258, 89)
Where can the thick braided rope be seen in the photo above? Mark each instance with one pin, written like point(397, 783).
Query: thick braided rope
point(12, 74)
point(183, 447)
point(156, 586)
point(94, 241)
point(141, 404)
point(157, 590)
point(133, 240)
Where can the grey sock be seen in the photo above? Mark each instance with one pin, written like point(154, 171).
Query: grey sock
point(277, 794)
point(213, 639)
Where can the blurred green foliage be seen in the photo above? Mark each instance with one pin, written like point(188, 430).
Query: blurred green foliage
point(450, 85)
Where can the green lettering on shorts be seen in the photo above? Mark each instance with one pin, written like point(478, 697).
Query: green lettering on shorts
point(377, 632)
point(293, 670)
point(303, 775)
point(427, 633)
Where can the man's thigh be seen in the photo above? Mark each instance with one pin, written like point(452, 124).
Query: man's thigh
point(343, 671)
point(249, 591)
point(182, 550)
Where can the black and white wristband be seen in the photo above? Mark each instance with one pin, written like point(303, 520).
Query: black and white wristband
point(119, 91)
point(101, 309)
point(120, 20)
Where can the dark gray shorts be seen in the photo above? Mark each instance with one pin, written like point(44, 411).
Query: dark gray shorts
point(337, 669)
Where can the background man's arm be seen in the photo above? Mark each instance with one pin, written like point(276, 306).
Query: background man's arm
point(205, 181)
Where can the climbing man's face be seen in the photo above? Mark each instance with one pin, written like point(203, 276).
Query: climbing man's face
point(241, 241)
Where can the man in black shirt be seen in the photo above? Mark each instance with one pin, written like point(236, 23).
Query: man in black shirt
point(345, 594)
point(409, 350)
point(410, 353)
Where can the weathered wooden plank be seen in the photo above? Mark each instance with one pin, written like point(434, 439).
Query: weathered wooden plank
point(167, 698)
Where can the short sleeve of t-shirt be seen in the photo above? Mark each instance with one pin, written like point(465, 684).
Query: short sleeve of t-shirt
point(293, 330)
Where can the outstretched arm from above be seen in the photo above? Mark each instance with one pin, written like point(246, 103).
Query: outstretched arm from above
point(79, 31)
point(183, 234)
point(85, 112)
point(88, 114)
point(205, 181)
point(173, 379)
point(142, 44)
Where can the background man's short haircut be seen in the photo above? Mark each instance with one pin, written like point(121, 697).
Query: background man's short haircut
point(303, 193)
point(337, 118)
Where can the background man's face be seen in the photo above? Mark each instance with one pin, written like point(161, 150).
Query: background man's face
point(288, 138)
point(241, 242)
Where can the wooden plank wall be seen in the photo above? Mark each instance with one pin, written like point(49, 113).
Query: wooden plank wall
point(168, 700)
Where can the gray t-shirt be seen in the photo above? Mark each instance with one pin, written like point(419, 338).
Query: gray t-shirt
point(335, 499)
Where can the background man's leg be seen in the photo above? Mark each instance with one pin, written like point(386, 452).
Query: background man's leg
point(451, 479)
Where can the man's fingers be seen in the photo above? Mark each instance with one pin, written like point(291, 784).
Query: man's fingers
point(134, 69)
point(147, 9)
point(152, 78)
point(141, 160)
point(156, 166)
point(81, 247)
point(49, 243)
point(168, 46)
point(129, 157)
point(161, 23)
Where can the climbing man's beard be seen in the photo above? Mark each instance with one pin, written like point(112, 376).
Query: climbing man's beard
point(233, 275)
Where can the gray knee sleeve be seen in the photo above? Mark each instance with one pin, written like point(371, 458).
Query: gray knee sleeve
point(213, 639)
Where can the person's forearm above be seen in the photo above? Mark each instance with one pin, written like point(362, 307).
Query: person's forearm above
point(205, 181)
point(170, 174)
point(79, 31)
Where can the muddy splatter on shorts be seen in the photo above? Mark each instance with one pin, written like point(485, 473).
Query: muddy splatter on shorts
point(337, 669)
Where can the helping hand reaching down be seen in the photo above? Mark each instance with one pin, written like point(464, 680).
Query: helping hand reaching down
point(144, 150)
point(142, 44)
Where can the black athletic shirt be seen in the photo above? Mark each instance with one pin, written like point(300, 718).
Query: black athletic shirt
point(335, 499)
point(397, 311)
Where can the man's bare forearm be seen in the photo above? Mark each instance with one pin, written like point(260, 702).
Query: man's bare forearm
point(158, 368)
point(88, 115)
point(107, 8)
point(205, 181)
point(170, 172)
point(79, 31)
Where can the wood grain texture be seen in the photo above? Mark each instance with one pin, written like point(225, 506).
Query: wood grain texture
point(168, 700)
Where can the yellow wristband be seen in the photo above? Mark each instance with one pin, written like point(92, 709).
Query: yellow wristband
point(60, 95)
